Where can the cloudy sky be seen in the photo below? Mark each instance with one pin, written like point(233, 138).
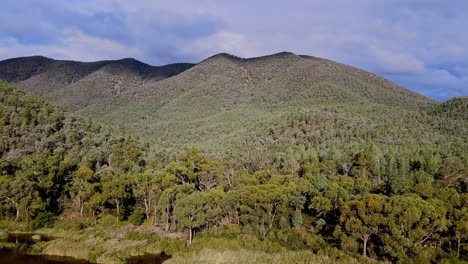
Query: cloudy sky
point(420, 44)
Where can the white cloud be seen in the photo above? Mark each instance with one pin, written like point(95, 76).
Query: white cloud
point(224, 41)
point(90, 48)
point(442, 78)
point(396, 62)
point(5, 53)
point(74, 44)
point(402, 40)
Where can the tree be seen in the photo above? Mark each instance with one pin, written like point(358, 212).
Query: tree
point(215, 200)
point(332, 196)
point(362, 218)
point(15, 193)
point(453, 172)
point(95, 204)
point(460, 227)
point(457, 214)
point(145, 190)
point(124, 157)
point(412, 224)
point(296, 220)
point(82, 187)
point(193, 168)
point(166, 205)
point(116, 190)
point(362, 164)
point(190, 211)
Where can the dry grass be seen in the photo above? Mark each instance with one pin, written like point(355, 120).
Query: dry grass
point(251, 256)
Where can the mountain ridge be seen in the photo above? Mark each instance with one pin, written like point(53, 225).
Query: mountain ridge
point(157, 72)
point(224, 100)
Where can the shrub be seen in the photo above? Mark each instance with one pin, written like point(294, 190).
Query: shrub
point(137, 217)
point(296, 220)
point(133, 235)
point(108, 220)
point(43, 219)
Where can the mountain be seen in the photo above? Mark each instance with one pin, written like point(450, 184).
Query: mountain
point(78, 84)
point(225, 104)
point(295, 174)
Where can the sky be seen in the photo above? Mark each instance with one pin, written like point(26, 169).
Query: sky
point(419, 44)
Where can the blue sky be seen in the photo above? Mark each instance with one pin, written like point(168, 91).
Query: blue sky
point(419, 44)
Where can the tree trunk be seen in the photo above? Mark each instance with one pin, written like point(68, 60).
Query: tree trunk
point(17, 207)
point(167, 219)
point(147, 209)
point(272, 219)
point(117, 204)
point(190, 235)
point(110, 161)
point(94, 216)
point(458, 247)
point(81, 209)
point(17, 214)
point(364, 249)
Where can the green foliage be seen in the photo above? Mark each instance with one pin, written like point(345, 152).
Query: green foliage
point(347, 181)
point(190, 211)
point(43, 219)
point(296, 220)
point(137, 217)
point(361, 219)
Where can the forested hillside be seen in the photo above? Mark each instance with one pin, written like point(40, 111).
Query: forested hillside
point(42, 148)
point(357, 179)
point(225, 102)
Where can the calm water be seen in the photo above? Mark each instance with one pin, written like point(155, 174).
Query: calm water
point(15, 256)
point(146, 259)
point(18, 255)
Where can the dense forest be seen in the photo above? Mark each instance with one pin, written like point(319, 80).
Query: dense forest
point(266, 102)
point(403, 202)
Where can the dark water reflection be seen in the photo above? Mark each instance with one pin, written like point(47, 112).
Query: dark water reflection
point(23, 241)
point(25, 238)
point(147, 259)
point(15, 256)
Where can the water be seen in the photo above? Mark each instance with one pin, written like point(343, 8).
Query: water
point(25, 238)
point(18, 255)
point(15, 256)
point(147, 259)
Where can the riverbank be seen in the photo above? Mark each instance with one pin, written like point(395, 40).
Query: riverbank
point(99, 243)
point(116, 244)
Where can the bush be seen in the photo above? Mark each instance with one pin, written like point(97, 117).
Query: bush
point(296, 220)
point(71, 224)
point(43, 219)
point(110, 221)
point(137, 217)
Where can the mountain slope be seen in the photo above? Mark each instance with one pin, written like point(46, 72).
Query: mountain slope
point(78, 84)
point(225, 103)
point(32, 126)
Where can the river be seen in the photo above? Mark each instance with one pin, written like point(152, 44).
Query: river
point(18, 254)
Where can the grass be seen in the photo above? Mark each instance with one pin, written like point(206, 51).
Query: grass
point(97, 244)
point(109, 244)
point(251, 256)
point(103, 244)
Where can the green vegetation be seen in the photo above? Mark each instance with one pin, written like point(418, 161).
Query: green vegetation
point(403, 202)
point(250, 256)
point(231, 107)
